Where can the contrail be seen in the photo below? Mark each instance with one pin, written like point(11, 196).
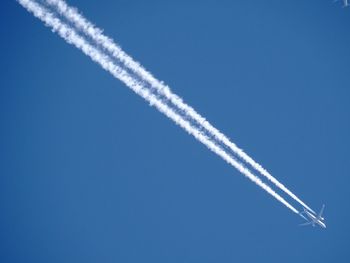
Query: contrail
point(68, 34)
point(109, 45)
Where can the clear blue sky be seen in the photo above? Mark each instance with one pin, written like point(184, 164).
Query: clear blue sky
point(90, 173)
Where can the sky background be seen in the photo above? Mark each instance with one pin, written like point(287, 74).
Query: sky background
point(90, 173)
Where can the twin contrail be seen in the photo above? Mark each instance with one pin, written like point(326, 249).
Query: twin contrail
point(148, 87)
point(114, 50)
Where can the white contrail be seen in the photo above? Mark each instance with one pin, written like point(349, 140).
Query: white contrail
point(104, 61)
point(108, 44)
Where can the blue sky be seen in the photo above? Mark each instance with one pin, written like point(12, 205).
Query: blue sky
point(91, 173)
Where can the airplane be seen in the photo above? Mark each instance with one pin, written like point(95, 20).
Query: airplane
point(313, 219)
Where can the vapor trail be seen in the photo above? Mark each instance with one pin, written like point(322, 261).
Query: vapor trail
point(68, 34)
point(108, 44)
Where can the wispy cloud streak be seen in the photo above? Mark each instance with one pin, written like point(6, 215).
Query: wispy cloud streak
point(114, 50)
point(72, 37)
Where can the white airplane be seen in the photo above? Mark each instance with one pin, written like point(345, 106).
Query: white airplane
point(313, 219)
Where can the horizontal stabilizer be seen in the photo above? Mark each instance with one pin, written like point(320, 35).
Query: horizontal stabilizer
point(306, 224)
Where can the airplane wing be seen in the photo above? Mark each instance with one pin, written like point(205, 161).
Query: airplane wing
point(320, 213)
point(301, 214)
point(306, 224)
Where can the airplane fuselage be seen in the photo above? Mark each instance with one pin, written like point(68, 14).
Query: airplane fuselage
point(315, 220)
